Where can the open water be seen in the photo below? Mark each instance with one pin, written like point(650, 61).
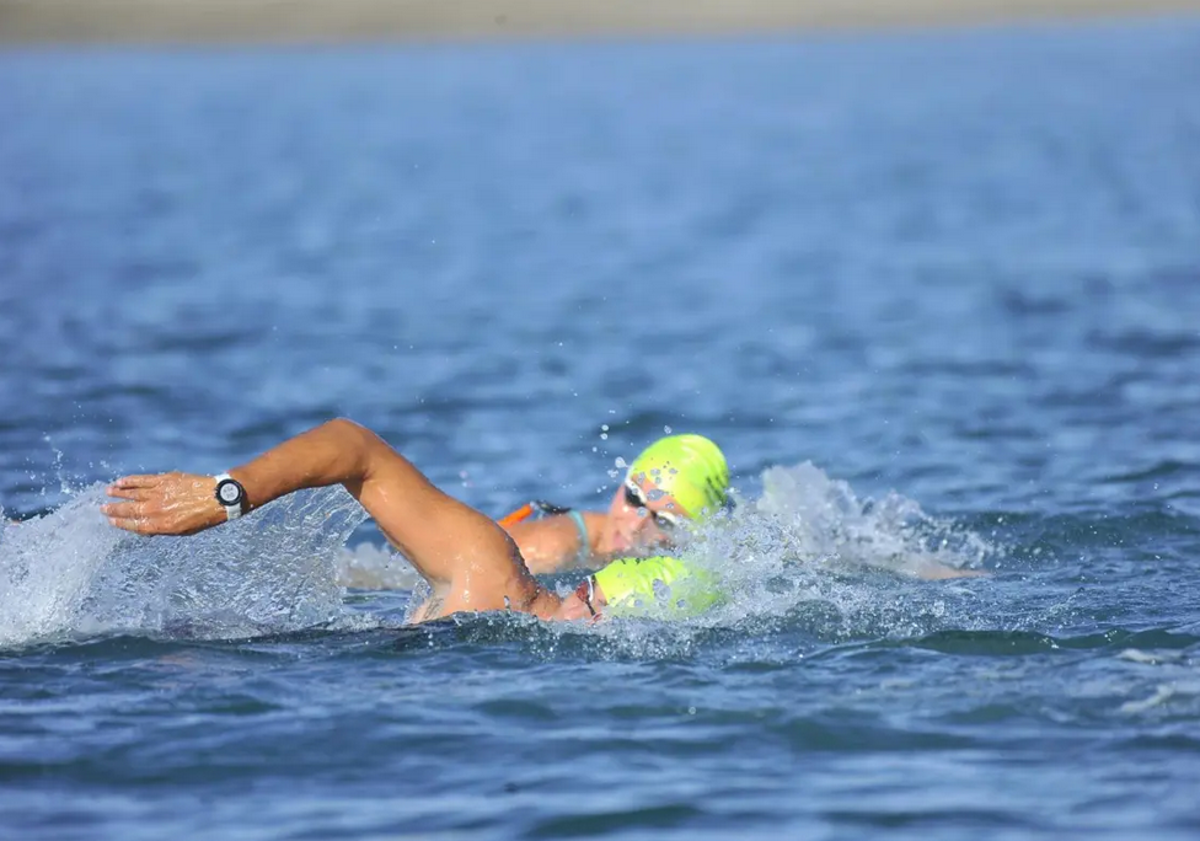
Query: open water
point(936, 294)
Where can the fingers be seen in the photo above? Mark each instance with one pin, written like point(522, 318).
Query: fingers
point(128, 516)
point(122, 509)
point(147, 526)
point(137, 481)
point(165, 503)
point(122, 492)
point(136, 525)
point(131, 516)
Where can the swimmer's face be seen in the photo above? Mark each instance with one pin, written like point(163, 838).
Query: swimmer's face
point(641, 516)
point(584, 603)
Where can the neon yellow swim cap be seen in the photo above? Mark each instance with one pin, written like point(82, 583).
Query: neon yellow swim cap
point(658, 586)
point(690, 468)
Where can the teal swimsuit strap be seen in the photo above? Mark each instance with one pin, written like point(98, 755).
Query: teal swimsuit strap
point(585, 548)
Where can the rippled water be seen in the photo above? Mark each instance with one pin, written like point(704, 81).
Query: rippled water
point(936, 295)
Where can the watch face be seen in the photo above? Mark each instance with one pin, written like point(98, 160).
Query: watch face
point(228, 492)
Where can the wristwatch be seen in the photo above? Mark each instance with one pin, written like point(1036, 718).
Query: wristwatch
point(231, 495)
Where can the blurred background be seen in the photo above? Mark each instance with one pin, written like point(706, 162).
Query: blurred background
point(929, 272)
point(324, 21)
point(519, 260)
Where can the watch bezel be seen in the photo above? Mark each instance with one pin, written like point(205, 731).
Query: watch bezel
point(238, 501)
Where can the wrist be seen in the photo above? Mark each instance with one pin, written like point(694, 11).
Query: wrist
point(231, 496)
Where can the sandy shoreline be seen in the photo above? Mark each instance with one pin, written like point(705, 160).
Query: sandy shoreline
point(332, 21)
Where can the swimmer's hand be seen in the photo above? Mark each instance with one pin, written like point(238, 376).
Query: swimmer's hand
point(167, 503)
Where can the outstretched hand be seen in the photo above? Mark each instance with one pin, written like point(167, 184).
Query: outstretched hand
point(166, 503)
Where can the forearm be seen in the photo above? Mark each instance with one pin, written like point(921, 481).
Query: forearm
point(336, 452)
point(468, 559)
point(433, 530)
point(184, 503)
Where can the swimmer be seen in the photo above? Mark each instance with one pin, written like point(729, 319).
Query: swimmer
point(469, 561)
point(677, 480)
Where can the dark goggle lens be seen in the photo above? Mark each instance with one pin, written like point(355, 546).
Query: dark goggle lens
point(635, 498)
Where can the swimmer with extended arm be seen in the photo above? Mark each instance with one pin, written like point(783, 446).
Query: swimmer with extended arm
point(471, 564)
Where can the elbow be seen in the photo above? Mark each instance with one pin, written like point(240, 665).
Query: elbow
point(356, 441)
point(345, 428)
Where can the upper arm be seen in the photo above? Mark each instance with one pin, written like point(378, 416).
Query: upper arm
point(445, 539)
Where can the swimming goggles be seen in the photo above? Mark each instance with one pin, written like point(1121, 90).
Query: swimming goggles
point(635, 497)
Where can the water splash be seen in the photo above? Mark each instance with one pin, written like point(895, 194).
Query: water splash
point(69, 575)
point(809, 555)
point(370, 567)
point(814, 518)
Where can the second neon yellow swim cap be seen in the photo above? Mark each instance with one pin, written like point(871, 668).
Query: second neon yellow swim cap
point(690, 468)
point(661, 586)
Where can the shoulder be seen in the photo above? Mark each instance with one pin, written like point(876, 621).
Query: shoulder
point(594, 523)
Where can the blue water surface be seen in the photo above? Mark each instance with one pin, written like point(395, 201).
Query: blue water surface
point(937, 295)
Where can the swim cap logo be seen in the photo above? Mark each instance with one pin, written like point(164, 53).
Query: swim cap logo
point(690, 468)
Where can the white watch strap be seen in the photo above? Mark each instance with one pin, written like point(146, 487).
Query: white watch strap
point(232, 512)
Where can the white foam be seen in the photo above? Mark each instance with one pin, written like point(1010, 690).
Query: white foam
point(70, 574)
point(1152, 658)
point(1161, 695)
point(808, 552)
point(810, 549)
point(370, 567)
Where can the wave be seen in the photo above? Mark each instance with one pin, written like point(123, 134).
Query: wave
point(70, 575)
point(808, 555)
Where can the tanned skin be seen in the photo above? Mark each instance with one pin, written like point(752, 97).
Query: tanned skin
point(471, 563)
